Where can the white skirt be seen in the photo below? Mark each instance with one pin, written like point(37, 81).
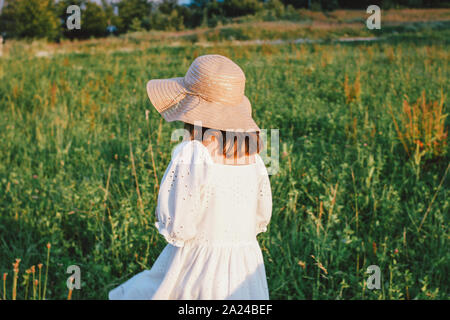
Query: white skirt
point(200, 272)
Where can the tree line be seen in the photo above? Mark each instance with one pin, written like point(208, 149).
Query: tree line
point(47, 18)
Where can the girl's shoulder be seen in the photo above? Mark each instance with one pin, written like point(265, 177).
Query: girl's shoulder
point(192, 151)
point(262, 169)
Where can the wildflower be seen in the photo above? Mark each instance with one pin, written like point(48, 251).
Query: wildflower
point(320, 265)
point(4, 276)
point(16, 265)
point(419, 143)
point(302, 264)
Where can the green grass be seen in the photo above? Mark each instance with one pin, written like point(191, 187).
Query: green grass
point(67, 157)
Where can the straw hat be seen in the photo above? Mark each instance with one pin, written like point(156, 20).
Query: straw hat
point(211, 92)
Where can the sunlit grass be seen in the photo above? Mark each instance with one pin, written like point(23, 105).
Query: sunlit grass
point(80, 162)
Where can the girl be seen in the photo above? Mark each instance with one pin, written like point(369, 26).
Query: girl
point(215, 195)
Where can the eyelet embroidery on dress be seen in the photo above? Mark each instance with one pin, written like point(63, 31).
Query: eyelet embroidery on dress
point(175, 233)
point(185, 190)
point(170, 237)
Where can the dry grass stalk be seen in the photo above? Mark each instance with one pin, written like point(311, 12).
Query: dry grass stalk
point(421, 127)
point(352, 91)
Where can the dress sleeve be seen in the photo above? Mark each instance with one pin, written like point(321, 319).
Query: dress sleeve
point(180, 194)
point(264, 207)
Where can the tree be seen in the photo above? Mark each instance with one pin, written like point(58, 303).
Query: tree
point(136, 25)
point(30, 19)
point(297, 3)
point(61, 11)
point(235, 8)
point(132, 9)
point(275, 7)
point(168, 15)
point(329, 5)
point(113, 19)
point(93, 21)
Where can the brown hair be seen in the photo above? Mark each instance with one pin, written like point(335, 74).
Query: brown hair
point(234, 144)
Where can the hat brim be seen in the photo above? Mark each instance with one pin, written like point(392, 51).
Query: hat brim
point(171, 100)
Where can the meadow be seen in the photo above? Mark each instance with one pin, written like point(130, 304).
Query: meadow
point(363, 177)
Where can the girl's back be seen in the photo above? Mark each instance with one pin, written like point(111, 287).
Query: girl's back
point(233, 194)
point(210, 214)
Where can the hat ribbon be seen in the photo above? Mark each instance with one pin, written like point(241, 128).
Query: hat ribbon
point(185, 92)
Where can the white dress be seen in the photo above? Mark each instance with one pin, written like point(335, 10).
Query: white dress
point(210, 214)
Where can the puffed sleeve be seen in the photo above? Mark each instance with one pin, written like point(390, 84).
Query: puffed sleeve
point(264, 207)
point(180, 194)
